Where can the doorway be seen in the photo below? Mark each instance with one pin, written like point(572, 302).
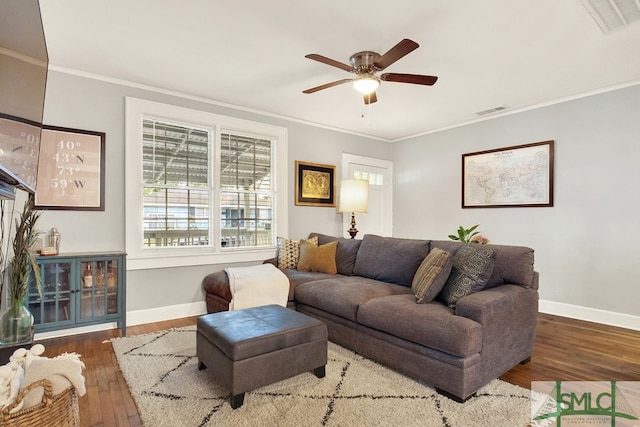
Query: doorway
point(379, 217)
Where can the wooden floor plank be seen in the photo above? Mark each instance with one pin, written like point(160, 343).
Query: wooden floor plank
point(565, 349)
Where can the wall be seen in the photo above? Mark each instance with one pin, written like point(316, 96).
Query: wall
point(85, 103)
point(584, 245)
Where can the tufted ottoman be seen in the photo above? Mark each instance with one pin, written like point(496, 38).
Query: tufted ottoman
point(250, 348)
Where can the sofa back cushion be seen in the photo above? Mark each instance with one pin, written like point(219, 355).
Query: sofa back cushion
point(512, 264)
point(390, 259)
point(345, 253)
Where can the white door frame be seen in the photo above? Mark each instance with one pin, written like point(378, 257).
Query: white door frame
point(347, 159)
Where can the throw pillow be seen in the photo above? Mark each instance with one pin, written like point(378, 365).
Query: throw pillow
point(431, 275)
point(289, 251)
point(345, 254)
point(472, 268)
point(321, 259)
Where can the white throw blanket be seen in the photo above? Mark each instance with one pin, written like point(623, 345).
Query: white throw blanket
point(25, 367)
point(257, 285)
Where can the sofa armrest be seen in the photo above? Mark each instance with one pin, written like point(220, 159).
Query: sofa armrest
point(218, 284)
point(508, 315)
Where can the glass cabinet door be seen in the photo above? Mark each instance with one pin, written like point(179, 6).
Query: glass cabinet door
point(99, 288)
point(79, 290)
point(55, 304)
point(112, 286)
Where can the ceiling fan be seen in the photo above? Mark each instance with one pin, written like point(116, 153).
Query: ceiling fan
point(366, 64)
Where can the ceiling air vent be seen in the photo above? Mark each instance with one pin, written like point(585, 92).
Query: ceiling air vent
point(491, 110)
point(613, 15)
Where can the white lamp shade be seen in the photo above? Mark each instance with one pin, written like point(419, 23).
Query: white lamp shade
point(354, 195)
point(366, 84)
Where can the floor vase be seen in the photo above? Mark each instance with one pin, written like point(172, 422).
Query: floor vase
point(15, 325)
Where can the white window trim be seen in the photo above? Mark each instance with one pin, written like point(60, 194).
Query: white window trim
point(143, 258)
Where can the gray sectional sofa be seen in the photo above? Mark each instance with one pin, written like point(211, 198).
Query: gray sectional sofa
point(369, 307)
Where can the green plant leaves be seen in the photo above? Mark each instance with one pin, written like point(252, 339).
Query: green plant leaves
point(23, 262)
point(465, 234)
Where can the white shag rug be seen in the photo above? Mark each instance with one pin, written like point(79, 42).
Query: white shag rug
point(161, 370)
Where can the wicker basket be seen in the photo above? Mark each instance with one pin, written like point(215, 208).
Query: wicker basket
point(60, 410)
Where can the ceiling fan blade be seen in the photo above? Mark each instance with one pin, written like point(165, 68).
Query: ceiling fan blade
point(330, 61)
point(417, 79)
point(404, 47)
point(370, 98)
point(326, 86)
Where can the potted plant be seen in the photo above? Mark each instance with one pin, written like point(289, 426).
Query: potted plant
point(469, 235)
point(16, 321)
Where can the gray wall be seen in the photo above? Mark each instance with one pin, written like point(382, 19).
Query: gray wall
point(82, 103)
point(586, 244)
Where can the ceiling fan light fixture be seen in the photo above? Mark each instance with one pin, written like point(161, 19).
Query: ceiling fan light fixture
point(366, 83)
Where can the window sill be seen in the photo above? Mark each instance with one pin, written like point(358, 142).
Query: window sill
point(169, 260)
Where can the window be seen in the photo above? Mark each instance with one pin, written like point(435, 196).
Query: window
point(245, 183)
point(201, 187)
point(372, 177)
point(175, 183)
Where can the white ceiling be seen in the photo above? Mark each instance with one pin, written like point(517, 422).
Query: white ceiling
point(250, 53)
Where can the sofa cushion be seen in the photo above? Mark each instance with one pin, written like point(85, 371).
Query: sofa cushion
point(342, 295)
point(432, 275)
point(513, 264)
point(289, 251)
point(472, 268)
point(345, 254)
point(297, 277)
point(390, 259)
point(432, 324)
point(321, 259)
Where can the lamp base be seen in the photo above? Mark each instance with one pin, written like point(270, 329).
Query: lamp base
point(353, 230)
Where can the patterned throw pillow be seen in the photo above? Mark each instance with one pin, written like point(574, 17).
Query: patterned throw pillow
point(321, 259)
point(472, 268)
point(289, 251)
point(431, 275)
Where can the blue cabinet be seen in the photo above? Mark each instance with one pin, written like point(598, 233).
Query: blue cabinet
point(79, 290)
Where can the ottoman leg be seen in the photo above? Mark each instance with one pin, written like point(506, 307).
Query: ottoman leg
point(320, 372)
point(237, 400)
point(201, 366)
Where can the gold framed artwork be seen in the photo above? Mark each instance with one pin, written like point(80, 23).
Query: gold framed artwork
point(71, 169)
point(517, 176)
point(315, 184)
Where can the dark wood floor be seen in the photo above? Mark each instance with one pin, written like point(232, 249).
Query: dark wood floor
point(565, 349)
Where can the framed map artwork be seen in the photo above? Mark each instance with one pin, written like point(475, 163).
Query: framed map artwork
point(517, 176)
point(315, 184)
point(71, 169)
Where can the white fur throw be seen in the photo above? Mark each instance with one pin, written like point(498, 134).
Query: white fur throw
point(63, 371)
point(26, 367)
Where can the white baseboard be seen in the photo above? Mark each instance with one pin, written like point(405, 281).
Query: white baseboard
point(159, 314)
point(137, 317)
point(590, 314)
point(74, 331)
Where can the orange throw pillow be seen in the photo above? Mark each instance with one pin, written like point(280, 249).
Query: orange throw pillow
point(321, 259)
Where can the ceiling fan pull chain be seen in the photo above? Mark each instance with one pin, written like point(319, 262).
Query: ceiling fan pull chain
point(366, 110)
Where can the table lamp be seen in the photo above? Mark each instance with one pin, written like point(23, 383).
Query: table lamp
point(354, 194)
